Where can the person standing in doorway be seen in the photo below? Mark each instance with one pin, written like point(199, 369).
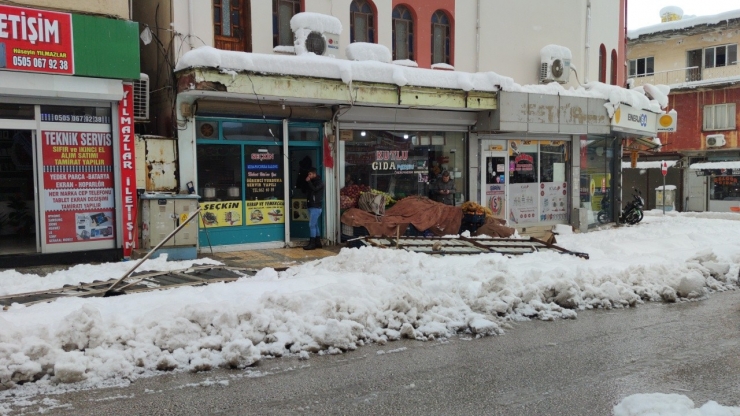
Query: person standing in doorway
point(315, 192)
point(444, 189)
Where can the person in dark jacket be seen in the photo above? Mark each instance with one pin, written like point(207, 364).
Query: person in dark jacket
point(315, 193)
point(443, 189)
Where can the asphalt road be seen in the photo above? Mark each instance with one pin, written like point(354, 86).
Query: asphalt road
point(567, 367)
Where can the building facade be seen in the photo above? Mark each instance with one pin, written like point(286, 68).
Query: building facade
point(247, 124)
point(697, 57)
point(66, 128)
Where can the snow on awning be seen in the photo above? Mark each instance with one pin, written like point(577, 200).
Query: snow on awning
point(730, 164)
point(683, 24)
point(649, 165)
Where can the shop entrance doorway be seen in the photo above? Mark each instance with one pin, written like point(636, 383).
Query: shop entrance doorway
point(301, 160)
point(18, 212)
point(495, 178)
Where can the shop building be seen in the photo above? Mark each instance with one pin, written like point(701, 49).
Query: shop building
point(697, 57)
point(66, 126)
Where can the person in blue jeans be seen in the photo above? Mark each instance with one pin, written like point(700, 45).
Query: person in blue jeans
point(315, 195)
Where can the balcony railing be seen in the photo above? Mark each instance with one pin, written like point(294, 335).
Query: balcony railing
point(689, 74)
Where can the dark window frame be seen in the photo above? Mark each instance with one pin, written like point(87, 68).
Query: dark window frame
point(402, 16)
point(441, 20)
point(277, 22)
point(362, 9)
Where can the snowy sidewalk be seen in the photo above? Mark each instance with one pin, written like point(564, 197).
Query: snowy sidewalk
point(359, 296)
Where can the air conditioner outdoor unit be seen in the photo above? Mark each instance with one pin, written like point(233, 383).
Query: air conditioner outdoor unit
point(555, 64)
point(320, 43)
point(716, 140)
point(141, 98)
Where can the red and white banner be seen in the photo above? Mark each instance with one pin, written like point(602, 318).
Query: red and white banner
point(36, 40)
point(128, 169)
point(78, 186)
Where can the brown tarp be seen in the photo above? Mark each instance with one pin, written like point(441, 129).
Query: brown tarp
point(421, 212)
point(495, 228)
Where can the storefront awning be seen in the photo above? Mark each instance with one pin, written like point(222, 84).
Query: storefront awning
point(379, 118)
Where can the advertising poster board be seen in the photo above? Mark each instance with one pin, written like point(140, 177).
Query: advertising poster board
point(523, 199)
point(78, 186)
point(221, 214)
point(553, 201)
point(264, 185)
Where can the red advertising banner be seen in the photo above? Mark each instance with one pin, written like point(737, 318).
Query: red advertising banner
point(36, 40)
point(78, 186)
point(128, 169)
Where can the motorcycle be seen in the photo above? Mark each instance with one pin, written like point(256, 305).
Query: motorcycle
point(632, 212)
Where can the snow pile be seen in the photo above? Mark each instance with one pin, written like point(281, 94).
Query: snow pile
point(318, 22)
point(550, 52)
point(360, 296)
point(364, 51)
point(659, 404)
point(406, 62)
point(401, 73)
point(443, 66)
point(730, 164)
point(685, 23)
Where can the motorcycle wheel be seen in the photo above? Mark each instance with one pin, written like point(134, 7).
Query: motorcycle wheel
point(603, 217)
point(634, 217)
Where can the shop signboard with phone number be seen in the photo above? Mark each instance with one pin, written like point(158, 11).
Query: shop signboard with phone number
point(35, 40)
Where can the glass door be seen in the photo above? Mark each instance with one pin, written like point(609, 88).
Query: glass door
point(18, 212)
point(495, 178)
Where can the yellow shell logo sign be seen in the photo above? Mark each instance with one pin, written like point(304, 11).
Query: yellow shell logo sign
point(665, 120)
point(617, 115)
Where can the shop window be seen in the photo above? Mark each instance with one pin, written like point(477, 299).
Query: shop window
point(282, 12)
point(552, 161)
point(244, 130)
point(403, 34)
point(613, 70)
point(401, 164)
point(523, 161)
point(725, 188)
point(602, 63)
point(219, 172)
point(231, 25)
point(303, 134)
point(441, 38)
point(362, 22)
point(17, 111)
point(641, 67)
point(718, 56)
point(719, 117)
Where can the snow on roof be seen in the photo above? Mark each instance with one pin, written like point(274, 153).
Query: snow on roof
point(649, 165)
point(406, 62)
point(365, 51)
point(706, 82)
point(555, 52)
point(716, 165)
point(311, 65)
point(667, 188)
point(316, 21)
point(684, 23)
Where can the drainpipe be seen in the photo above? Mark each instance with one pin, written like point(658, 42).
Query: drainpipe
point(477, 37)
point(588, 42)
point(190, 23)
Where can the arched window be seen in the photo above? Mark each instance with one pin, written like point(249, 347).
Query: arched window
point(362, 22)
point(440, 38)
point(282, 12)
point(403, 34)
point(602, 63)
point(231, 25)
point(614, 68)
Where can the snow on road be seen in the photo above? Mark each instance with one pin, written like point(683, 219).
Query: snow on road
point(659, 404)
point(359, 296)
